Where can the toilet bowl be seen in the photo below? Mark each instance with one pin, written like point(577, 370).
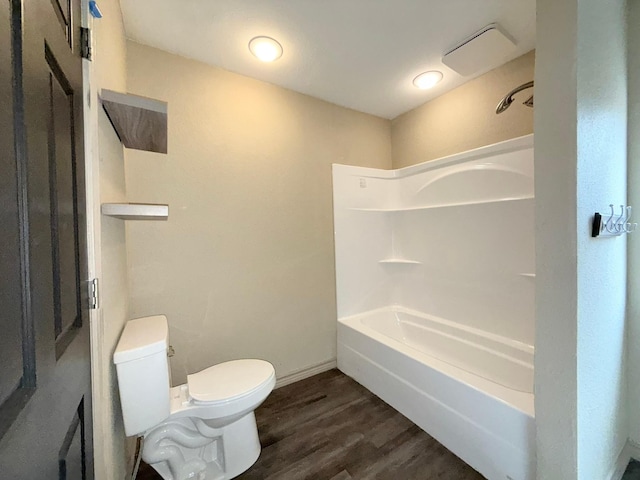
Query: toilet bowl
point(204, 429)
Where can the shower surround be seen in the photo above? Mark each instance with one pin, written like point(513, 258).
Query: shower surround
point(435, 293)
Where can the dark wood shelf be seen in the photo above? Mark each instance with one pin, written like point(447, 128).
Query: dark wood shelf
point(140, 122)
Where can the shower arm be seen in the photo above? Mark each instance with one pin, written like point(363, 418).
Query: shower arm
point(508, 98)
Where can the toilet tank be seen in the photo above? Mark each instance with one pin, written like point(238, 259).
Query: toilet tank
point(143, 373)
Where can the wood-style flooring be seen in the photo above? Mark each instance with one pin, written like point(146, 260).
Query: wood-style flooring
point(328, 427)
point(633, 471)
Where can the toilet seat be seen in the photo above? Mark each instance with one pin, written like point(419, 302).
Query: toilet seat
point(229, 381)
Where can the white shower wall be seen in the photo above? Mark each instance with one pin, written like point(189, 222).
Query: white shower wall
point(453, 238)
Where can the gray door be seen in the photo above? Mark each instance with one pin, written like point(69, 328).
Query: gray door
point(45, 402)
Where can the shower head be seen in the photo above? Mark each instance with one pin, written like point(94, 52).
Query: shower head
point(504, 104)
point(508, 98)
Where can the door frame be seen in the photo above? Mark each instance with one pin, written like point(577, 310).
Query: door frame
point(94, 247)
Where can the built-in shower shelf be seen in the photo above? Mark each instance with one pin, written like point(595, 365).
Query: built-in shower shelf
point(399, 261)
point(136, 211)
point(528, 275)
point(444, 205)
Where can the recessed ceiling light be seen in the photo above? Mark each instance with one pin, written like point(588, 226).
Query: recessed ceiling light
point(265, 49)
point(427, 79)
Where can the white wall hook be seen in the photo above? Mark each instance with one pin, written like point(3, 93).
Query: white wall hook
point(613, 225)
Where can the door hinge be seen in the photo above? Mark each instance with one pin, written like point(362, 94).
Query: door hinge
point(85, 43)
point(94, 294)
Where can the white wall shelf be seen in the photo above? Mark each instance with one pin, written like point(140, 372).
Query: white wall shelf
point(399, 261)
point(136, 211)
point(446, 205)
point(528, 275)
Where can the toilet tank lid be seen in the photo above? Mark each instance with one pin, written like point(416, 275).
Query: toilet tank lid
point(142, 337)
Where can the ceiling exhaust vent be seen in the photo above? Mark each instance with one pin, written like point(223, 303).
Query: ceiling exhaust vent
point(485, 49)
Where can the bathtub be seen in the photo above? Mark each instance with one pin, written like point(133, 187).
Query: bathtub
point(469, 389)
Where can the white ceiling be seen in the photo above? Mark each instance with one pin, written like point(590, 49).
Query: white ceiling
point(361, 54)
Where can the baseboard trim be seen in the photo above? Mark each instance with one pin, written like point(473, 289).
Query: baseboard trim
point(629, 451)
point(305, 373)
point(634, 449)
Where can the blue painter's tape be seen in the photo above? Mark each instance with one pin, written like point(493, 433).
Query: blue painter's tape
point(94, 9)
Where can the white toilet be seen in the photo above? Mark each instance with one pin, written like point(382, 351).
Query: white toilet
point(204, 429)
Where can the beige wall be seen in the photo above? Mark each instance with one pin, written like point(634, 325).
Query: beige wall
point(464, 118)
point(244, 267)
point(109, 63)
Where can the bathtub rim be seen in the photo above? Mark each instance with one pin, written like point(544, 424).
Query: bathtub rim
point(521, 401)
point(396, 308)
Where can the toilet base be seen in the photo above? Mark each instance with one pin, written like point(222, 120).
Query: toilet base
point(188, 449)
